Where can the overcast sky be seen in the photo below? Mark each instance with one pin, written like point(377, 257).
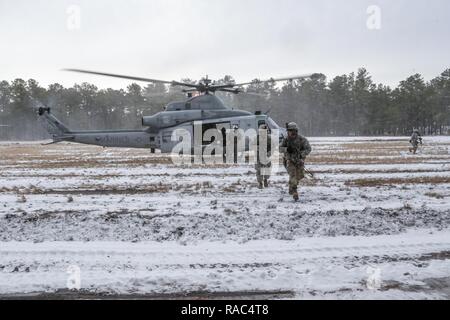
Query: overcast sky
point(173, 39)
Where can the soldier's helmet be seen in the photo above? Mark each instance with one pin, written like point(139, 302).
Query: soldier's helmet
point(292, 127)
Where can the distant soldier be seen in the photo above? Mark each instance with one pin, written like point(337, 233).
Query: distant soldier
point(416, 139)
point(263, 165)
point(296, 148)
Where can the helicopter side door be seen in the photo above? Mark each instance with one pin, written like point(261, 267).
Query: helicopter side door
point(222, 127)
point(167, 143)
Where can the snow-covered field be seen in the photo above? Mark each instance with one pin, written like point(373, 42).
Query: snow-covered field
point(373, 223)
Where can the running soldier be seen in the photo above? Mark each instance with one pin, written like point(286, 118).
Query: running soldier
point(296, 148)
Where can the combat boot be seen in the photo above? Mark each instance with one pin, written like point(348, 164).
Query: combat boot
point(260, 185)
point(266, 183)
point(291, 191)
point(296, 197)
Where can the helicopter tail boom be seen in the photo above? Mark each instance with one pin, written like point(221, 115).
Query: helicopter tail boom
point(53, 126)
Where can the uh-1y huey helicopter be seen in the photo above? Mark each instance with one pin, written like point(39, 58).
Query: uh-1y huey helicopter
point(205, 108)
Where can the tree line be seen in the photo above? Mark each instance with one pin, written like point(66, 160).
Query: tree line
point(349, 104)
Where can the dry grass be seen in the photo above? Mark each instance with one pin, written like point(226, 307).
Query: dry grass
point(80, 156)
point(390, 171)
point(370, 145)
point(92, 190)
point(67, 156)
point(397, 181)
point(328, 159)
point(435, 195)
point(95, 163)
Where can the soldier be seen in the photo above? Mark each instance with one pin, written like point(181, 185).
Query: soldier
point(263, 164)
point(415, 140)
point(296, 148)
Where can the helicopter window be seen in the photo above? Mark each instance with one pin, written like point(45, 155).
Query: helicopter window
point(175, 106)
point(209, 126)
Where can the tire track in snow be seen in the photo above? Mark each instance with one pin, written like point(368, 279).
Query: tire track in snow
point(236, 255)
point(119, 271)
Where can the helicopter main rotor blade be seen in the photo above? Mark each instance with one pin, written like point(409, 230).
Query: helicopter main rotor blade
point(261, 95)
point(223, 86)
point(173, 83)
point(306, 76)
point(237, 91)
point(156, 95)
point(189, 90)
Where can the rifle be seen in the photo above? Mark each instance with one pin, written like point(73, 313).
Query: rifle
point(306, 170)
point(309, 173)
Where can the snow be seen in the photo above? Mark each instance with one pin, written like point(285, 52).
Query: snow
point(305, 265)
point(135, 223)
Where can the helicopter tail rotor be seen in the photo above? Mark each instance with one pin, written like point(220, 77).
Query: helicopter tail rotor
point(43, 110)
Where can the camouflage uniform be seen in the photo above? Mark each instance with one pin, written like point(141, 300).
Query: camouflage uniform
point(416, 139)
point(263, 166)
point(297, 149)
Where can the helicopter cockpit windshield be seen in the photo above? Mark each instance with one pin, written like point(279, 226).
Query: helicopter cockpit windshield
point(272, 124)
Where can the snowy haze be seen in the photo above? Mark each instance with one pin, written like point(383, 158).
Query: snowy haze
point(171, 39)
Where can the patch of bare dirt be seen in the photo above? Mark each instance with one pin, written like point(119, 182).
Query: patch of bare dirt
point(85, 295)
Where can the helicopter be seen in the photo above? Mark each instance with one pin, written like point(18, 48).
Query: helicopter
point(202, 108)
